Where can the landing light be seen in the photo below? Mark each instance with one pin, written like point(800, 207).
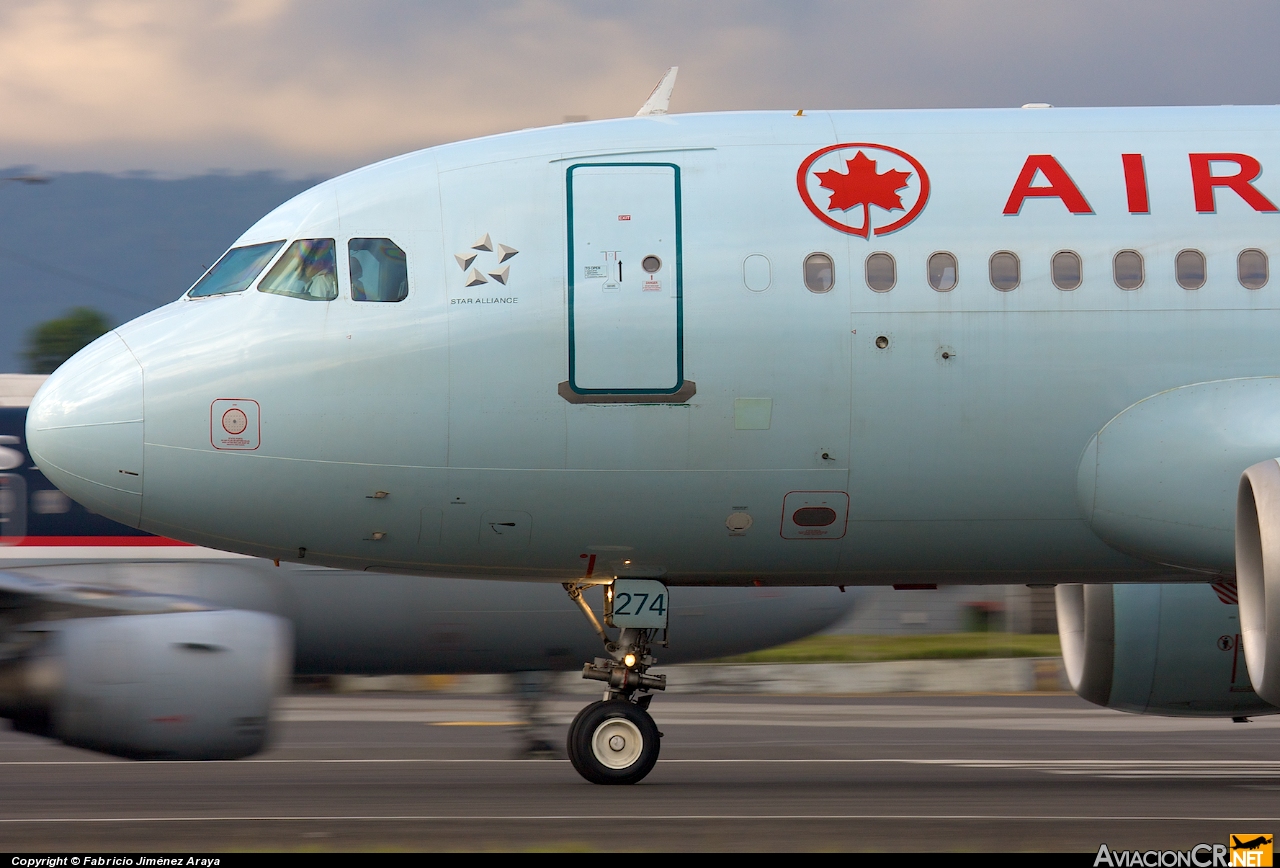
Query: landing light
point(629, 661)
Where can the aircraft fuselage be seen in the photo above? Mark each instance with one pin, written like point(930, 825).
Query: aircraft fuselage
point(549, 402)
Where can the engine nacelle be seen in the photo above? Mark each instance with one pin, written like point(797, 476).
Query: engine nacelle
point(1160, 480)
point(1171, 649)
point(183, 685)
point(1258, 574)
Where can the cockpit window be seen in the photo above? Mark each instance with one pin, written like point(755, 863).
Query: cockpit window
point(305, 271)
point(378, 270)
point(235, 270)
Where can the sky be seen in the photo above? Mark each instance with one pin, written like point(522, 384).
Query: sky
point(121, 245)
point(315, 87)
point(168, 128)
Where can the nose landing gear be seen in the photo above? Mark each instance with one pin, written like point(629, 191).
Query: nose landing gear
point(615, 741)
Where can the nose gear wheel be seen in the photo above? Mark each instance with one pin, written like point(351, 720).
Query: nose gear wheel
point(613, 741)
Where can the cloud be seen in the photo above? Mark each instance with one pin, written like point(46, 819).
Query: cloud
point(322, 85)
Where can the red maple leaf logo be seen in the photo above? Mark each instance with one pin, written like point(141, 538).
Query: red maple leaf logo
point(863, 185)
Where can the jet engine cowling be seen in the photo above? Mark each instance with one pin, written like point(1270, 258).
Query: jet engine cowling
point(181, 685)
point(1169, 649)
point(1159, 481)
point(1258, 574)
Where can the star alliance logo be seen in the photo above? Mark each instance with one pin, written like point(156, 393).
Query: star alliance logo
point(499, 274)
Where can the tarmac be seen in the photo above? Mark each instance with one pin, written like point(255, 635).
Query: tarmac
point(988, 773)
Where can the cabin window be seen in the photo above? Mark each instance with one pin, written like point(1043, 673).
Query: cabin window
point(235, 270)
point(379, 271)
point(1188, 267)
point(882, 272)
point(1006, 271)
point(1251, 268)
point(819, 272)
point(757, 273)
point(305, 271)
point(1127, 269)
point(942, 272)
point(1066, 269)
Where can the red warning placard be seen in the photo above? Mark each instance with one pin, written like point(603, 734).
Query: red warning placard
point(234, 423)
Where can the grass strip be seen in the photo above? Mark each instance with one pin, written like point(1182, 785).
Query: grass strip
point(869, 649)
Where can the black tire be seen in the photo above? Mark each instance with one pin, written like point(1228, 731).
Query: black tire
point(613, 742)
point(573, 729)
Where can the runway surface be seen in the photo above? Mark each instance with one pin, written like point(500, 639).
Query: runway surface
point(978, 773)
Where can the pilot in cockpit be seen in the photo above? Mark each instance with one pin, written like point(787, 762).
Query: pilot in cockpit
point(358, 292)
point(318, 276)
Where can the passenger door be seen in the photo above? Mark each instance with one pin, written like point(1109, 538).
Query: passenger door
point(625, 282)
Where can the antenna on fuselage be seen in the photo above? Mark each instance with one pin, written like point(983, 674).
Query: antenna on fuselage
point(660, 99)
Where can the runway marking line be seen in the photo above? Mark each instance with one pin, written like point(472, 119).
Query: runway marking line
point(655, 817)
point(1109, 769)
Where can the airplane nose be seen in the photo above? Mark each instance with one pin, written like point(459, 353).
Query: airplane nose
point(84, 429)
